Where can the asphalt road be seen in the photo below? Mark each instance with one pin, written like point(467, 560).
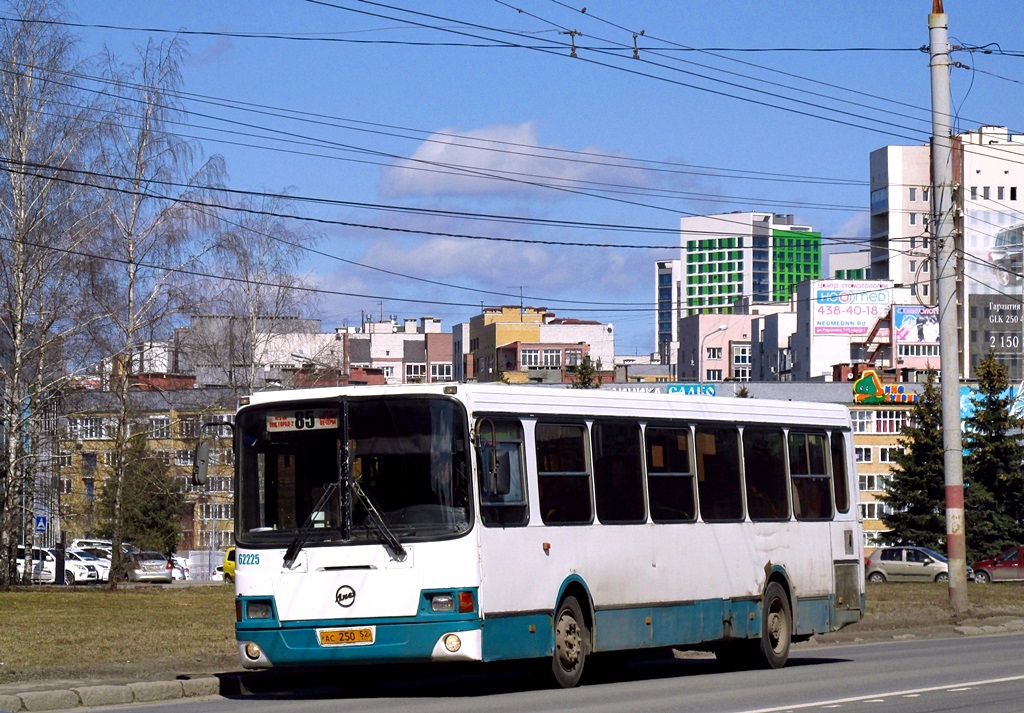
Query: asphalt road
point(912, 676)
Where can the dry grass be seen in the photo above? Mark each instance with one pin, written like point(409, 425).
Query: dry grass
point(90, 632)
point(914, 606)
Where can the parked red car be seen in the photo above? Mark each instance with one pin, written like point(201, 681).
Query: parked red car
point(1007, 566)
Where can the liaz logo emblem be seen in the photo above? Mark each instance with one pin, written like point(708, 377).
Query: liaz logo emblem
point(345, 596)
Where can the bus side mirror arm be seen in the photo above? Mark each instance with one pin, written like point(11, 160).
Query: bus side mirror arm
point(201, 455)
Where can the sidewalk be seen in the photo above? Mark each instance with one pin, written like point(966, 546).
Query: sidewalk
point(62, 695)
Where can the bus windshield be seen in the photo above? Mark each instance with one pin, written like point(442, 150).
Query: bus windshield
point(402, 457)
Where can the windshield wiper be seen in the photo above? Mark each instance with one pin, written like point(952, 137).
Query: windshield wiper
point(307, 529)
point(386, 535)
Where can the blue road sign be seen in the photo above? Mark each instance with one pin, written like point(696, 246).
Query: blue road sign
point(40, 524)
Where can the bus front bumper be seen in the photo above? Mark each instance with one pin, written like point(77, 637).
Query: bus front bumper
point(300, 645)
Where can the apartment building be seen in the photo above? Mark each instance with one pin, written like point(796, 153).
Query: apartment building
point(171, 422)
point(532, 345)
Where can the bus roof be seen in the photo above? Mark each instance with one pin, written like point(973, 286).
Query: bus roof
point(558, 399)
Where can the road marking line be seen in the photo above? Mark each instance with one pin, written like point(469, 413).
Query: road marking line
point(873, 698)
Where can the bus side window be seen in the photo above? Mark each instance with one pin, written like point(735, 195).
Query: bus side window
point(562, 474)
point(808, 466)
point(839, 476)
point(670, 484)
point(764, 458)
point(618, 472)
point(501, 474)
point(718, 473)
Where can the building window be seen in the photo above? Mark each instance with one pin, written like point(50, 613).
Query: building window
point(888, 455)
point(974, 193)
point(889, 421)
point(913, 218)
point(713, 353)
point(414, 373)
point(872, 482)
point(1000, 193)
point(573, 357)
point(188, 426)
point(873, 511)
point(924, 194)
point(530, 357)
point(159, 427)
point(552, 357)
point(224, 421)
point(86, 429)
point(712, 375)
point(913, 193)
point(985, 192)
point(862, 421)
point(183, 456)
point(65, 486)
point(441, 372)
point(862, 454)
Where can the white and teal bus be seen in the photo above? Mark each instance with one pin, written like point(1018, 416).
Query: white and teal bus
point(488, 522)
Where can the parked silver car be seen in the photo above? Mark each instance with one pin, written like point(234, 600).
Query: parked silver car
point(908, 564)
point(148, 567)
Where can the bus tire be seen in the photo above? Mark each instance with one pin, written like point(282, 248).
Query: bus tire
point(572, 643)
point(776, 627)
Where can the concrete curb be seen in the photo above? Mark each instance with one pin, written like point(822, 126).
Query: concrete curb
point(106, 695)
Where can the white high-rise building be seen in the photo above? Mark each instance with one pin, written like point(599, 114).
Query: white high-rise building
point(988, 176)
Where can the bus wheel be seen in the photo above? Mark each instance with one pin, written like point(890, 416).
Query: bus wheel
point(776, 626)
point(572, 640)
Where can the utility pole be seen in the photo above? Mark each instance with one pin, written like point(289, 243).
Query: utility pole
point(949, 342)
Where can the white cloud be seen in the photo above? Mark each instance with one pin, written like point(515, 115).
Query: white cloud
point(503, 160)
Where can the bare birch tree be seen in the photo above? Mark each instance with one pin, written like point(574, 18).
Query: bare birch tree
point(44, 219)
point(261, 251)
point(157, 227)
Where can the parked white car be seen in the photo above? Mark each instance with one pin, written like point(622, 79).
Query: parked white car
point(181, 568)
point(102, 565)
point(44, 564)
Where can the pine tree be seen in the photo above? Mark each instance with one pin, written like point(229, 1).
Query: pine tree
point(993, 476)
point(152, 503)
point(587, 375)
point(915, 492)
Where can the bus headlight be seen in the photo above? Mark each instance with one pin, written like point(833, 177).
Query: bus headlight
point(252, 650)
point(258, 609)
point(442, 602)
point(452, 642)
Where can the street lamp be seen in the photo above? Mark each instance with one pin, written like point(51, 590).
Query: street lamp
point(310, 360)
point(700, 357)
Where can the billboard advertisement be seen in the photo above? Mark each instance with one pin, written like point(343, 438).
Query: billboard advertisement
point(916, 325)
point(848, 307)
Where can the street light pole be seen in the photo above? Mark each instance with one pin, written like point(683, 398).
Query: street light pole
point(700, 357)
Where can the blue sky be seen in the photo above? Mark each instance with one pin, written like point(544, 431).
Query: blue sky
point(556, 178)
